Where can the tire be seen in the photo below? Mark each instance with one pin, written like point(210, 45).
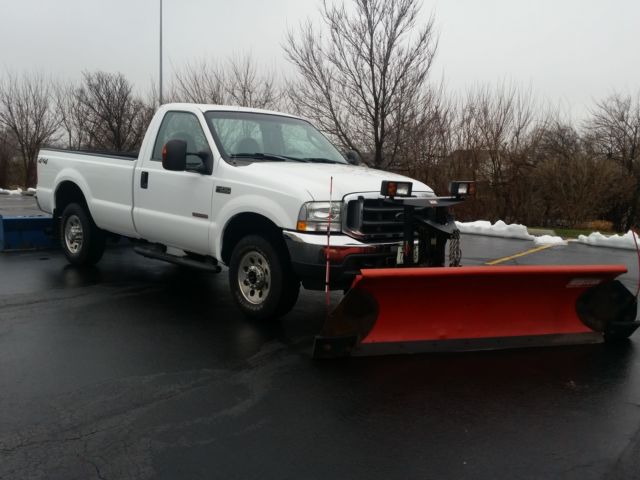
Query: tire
point(290, 294)
point(261, 280)
point(82, 241)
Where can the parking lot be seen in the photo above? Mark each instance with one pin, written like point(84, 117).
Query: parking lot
point(140, 369)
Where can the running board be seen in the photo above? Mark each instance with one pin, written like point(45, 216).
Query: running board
point(207, 266)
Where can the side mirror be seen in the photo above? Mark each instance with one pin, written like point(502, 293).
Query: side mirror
point(174, 155)
point(353, 157)
point(206, 167)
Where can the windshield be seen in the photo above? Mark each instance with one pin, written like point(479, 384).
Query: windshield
point(265, 137)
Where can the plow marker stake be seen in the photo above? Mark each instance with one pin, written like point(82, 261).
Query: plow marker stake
point(407, 310)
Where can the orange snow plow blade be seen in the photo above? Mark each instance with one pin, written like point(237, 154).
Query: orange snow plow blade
point(409, 310)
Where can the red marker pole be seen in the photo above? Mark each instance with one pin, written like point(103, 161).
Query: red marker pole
point(326, 276)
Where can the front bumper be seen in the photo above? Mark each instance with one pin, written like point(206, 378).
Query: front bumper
point(308, 253)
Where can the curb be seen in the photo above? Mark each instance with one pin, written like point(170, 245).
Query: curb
point(26, 233)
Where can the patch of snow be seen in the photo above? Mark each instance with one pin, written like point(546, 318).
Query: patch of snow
point(498, 229)
point(549, 240)
point(596, 239)
point(501, 229)
point(17, 191)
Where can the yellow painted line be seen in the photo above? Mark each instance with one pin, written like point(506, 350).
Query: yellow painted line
point(517, 255)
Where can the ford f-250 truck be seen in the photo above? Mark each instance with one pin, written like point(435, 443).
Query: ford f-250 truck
point(246, 188)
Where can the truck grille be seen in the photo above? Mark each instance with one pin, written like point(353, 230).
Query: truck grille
point(373, 220)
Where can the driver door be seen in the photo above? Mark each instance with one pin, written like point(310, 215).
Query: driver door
point(174, 208)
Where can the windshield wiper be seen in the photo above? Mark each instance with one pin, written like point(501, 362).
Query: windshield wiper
point(322, 160)
point(267, 156)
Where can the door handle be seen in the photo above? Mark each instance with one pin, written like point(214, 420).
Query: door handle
point(144, 180)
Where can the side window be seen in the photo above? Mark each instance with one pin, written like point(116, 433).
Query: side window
point(181, 126)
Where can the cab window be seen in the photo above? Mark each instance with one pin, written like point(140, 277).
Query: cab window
point(247, 133)
point(182, 126)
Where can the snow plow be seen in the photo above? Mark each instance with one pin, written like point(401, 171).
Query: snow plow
point(421, 305)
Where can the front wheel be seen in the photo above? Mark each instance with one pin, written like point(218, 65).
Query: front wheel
point(82, 241)
point(261, 279)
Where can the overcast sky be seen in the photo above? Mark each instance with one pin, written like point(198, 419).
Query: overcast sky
point(569, 51)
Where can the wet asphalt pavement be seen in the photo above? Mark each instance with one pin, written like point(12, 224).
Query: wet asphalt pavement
point(140, 369)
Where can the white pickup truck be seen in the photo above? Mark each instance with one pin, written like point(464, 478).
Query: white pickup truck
point(246, 188)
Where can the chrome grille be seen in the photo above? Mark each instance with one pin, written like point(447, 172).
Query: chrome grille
point(373, 220)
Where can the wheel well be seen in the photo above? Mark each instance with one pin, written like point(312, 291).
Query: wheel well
point(68, 192)
point(247, 224)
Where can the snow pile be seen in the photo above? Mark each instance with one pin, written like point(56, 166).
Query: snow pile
point(549, 240)
point(498, 229)
point(596, 239)
point(501, 229)
point(17, 191)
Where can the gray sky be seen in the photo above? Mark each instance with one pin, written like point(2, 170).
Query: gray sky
point(569, 51)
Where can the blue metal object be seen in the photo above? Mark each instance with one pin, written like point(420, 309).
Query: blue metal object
point(26, 233)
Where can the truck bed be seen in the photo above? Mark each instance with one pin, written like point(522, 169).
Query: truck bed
point(129, 156)
point(106, 181)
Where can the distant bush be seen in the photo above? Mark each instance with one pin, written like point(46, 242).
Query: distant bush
point(598, 226)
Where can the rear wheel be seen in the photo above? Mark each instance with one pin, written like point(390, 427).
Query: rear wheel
point(261, 279)
point(82, 241)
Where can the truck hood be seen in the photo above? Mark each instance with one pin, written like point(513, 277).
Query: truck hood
point(315, 178)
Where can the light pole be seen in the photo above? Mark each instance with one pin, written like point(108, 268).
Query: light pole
point(160, 81)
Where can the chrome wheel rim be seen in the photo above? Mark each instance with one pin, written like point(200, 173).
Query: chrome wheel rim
point(254, 277)
point(73, 234)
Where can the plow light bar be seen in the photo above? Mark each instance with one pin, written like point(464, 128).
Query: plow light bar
point(462, 188)
point(395, 189)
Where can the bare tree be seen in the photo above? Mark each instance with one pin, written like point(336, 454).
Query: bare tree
point(6, 153)
point(427, 139)
point(149, 105)
point(503, 128)
point(73, 116)
point(237, 81)
point(364, 83)
point(198, 82)
point(246, 87)
point(574, 185)
point(614, 129)
point(116, 119)
point(26, 110)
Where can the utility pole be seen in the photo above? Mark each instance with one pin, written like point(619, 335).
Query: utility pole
point(160, 81)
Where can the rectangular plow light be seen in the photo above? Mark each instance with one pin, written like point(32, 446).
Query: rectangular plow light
point(395, 189)
point(462, 188)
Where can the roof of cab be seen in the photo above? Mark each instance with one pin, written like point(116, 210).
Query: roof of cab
point(203, 107)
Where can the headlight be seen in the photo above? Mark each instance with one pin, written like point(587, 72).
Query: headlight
point(314, 217)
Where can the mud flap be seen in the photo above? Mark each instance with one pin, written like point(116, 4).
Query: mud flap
point(408, 310)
